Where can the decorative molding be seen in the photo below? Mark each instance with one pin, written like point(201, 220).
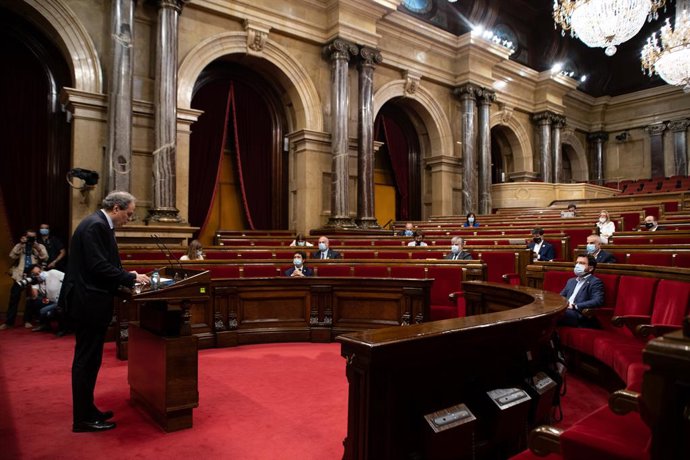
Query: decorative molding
point(505, 113)
point(257, 35)
point(340, 49)
point(412, 80)
point(546, 117)
point(678, 125)
point(467, 91)
point(177, 5)
point(369, 56)
point(485, 96)
point(656, 129)
point(600, 136)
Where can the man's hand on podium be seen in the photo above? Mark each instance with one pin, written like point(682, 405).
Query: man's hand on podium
point(142, 278)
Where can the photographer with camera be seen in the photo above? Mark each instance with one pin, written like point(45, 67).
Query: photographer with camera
point(45, 289)
point(26, 253)
point(56, 250)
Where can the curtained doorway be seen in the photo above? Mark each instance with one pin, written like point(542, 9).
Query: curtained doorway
point(238, 171)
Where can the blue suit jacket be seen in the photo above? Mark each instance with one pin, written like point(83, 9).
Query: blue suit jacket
point(546, 251)
point(591, 295)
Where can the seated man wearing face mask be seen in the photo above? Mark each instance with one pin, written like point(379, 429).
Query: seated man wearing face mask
point(541, 250)
point(299, 269)
point(594, 248)
point(456, 252)
point(650, 224)
point(408, 231)
point(583, 291)
point(324, 252)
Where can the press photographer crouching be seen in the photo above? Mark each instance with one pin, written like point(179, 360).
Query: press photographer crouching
point(26, 253)
point(45, 289)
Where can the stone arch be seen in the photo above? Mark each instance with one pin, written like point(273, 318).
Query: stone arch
point(517, 136)
point(580, 168)
point(293, 76)
point(60, 23)
point(427, 108)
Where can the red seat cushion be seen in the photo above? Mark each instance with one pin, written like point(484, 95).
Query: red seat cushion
point(224, 271)
point(400, 271)
point(498, 264)
point(635, 295)
point(260, 271)
point(554, 281)
point(671, 303)
point(333, 270)
point(661, 259)
point(371, 271)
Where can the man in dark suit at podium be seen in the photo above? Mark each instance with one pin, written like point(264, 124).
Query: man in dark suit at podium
point(93, 277)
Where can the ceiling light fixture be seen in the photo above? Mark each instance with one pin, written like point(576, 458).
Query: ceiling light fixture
point(604, 23)
point(669, 55)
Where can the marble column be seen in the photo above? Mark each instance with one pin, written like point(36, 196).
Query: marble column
point(556, 127)
point(368, 58)
point(339, 52)
point(679, 128)
point(165, 115)
point(656, 147)
point(119, 153)
point(484, 99)
point(543, 121)
point(597, 141)
point(467, 95)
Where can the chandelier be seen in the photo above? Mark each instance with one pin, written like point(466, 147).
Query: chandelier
point(604, 23)
point(669, 56)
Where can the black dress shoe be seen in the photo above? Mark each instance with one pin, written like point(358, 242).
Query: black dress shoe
point(107, 415)
point(96, 425)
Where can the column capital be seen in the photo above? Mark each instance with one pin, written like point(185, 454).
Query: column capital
point(678, 125)
point(369, 57)
point(558, 121)
point(656, 129)
point(485, 96)
point(601, 136)
point(467, 91)
point(340, 49)
point(546, 117)
point(177, 5)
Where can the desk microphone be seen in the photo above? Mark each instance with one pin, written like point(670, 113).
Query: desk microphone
point(166, 252)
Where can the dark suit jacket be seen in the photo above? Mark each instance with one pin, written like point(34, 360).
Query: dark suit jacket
point(462, 255)
point(591, 295)
point(546, 252)
point(330, 254)
point(604, 257)
point(94, 272)
point(305, 270)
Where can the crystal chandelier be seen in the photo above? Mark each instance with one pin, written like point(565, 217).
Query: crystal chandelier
point(604, 23)
point(669, 56)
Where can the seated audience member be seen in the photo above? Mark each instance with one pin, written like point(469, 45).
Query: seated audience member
point(650, 224)
point(300, 241)
point(541, 249)
point(456, 252)
point(418, 240)
point(324, 251)
point(583, 291)
point(56, 250)
point(45, 289)
point(408, 230)
point(24, 254)
point(570, 212)
point(194, 251)
point(605, 226)
point(299, 269)
point(594, 249)
point(471, 220)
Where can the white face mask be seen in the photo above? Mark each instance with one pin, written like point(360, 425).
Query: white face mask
point(454, 248)
point(199, 254)
point(43, 276)
point(602, 219)
point(297, 261)
point(322, 247)
point(470, 220)
point(300, 243)
point(579, 270)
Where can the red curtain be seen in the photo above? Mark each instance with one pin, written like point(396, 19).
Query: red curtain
point(398, 149)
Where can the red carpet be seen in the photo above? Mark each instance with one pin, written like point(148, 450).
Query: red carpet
point(286, 401)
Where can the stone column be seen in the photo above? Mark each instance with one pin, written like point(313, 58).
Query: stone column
point(556, 147)
point(165, 103)
point(679, 128)
point(339, 52)
point(467, 94)
point(656, 147)
point(484, 99)
point(597, 140)
point(543, 121)
point(119, 154)
point(368, 58)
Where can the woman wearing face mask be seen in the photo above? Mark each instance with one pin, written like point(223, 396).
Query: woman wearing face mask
point(606, 226)
point(300, 241)
point(471, 220)
point(298, 268)
point(194, 251)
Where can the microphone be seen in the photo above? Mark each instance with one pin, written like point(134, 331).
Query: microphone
point(166, 252)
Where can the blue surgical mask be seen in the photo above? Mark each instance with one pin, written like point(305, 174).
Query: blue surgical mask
point(44, 231)
point(454, 248)
point(470, 220)
point(322, 247)
point(43, 276)
point(409, 233)
point(301, 243)
point(579, 270)
point(591, 248)
point(297, 261)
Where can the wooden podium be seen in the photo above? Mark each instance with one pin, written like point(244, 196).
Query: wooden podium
point(163, 358)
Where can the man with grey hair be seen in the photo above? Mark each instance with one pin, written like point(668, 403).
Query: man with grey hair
point(456, 252)
point(94, 275)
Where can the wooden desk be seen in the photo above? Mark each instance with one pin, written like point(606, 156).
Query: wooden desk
point(397, 375)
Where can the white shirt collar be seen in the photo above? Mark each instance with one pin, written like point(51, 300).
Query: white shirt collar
point(110, 221)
